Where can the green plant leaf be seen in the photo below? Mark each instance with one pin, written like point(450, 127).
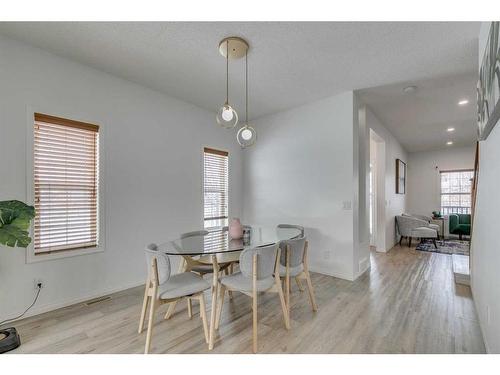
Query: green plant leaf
point(15, 219)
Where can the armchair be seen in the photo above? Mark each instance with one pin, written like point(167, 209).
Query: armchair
point(459, 224)
point(428, 220)
point(410, 226)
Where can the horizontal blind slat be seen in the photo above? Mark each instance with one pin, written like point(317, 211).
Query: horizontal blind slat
point(215, 185)
point(66, 184)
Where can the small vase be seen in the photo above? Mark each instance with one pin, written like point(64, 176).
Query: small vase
point(235, 229)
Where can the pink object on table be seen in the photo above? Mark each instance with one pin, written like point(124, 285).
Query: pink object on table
point(235, 229)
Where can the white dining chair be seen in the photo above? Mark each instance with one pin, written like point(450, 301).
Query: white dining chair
point(162, 287)
point(197, 264)
point(259, 272)
point(301, 229)
point(294, 263)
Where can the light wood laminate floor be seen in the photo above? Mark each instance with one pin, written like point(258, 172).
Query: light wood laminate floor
point(406, 303)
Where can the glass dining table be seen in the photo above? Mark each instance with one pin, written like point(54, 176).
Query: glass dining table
point(216, 247)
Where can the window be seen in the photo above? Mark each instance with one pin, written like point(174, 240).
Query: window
point(215, 187)
point(456, 192)
point(66, 184)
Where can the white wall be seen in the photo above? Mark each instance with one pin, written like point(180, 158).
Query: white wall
point(151, 171)
point(390, 150)
point(361, 209)
point(485, 251)
point(301, 171)
point(424, 185)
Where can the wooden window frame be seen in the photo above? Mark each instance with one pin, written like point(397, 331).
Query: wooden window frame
point(31, 256)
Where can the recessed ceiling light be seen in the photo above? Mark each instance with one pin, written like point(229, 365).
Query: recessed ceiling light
point(463, 102)
point(409, 89)
point(450, 129)
point(449, 143)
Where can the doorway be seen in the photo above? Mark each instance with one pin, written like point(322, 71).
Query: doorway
point(376, 192)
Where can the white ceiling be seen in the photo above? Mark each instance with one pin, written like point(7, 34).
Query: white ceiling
point(419, 120)
point(289, 63)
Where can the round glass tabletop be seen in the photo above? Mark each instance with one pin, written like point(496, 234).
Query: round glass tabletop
point(219, 241)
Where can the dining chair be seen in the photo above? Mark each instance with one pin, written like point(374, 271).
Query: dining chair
point(199, 265)
point(293, 226)
point(294, 263)
point(162, 287)
point(302, 234)
point(259, 272)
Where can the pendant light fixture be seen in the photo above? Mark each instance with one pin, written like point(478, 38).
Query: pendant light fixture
point(246, 135)
point(227, 116)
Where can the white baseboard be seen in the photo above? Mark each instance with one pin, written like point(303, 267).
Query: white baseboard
point(326, 271)
point(483, 332)
point(37, 310)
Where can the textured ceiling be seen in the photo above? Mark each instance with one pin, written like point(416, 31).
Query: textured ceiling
point(289, 63)
point(419, 120)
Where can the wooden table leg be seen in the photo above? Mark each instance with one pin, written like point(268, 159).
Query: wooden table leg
point(215, 282)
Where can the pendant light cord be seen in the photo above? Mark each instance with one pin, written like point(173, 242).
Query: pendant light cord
point(227, 71)
point(246, 86)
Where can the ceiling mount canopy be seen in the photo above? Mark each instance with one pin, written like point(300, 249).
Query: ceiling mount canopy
point(232, 48)
point(237, 47)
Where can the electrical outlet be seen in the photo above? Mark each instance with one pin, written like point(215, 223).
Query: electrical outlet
point(36, 282)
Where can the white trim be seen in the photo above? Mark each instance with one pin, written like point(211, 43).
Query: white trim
point(30, 252)
point(476, 306)
point(58, 305)
point(317, 268)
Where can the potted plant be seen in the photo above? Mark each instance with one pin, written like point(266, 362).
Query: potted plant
point(15, 219)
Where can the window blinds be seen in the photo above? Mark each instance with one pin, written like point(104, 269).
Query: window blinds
point(215, 187)
point(66, 184)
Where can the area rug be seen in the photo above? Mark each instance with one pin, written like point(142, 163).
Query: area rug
point(445, 246)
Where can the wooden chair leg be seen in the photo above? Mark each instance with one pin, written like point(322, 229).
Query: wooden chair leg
point(220, 304)
point(190, 308)
point(150, 323)
point(311, 292)
point(287, 280)
point(171, 309)
point(400, 240)
point(286, 317)
point(203, 315)
point(229, 271)
point(144, 307)
point(299, 284)
point(255, 321)
point(215, 282)
point(409, 241)
point(254, 304)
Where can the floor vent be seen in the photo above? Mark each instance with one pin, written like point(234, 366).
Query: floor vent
point(97, 300)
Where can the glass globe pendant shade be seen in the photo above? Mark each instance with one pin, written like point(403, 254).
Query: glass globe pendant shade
point(227, 117)
point(246, 136)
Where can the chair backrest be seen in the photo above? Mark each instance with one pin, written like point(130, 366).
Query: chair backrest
point(296, 247)
point(266, 261)
point(405, 224)
point(162, 262)
point(293, 226)
point(464, 218)
point(194, 233)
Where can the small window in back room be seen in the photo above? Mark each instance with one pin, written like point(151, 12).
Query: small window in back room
point(66, 184)
point(215, 187)
point(456, 188)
